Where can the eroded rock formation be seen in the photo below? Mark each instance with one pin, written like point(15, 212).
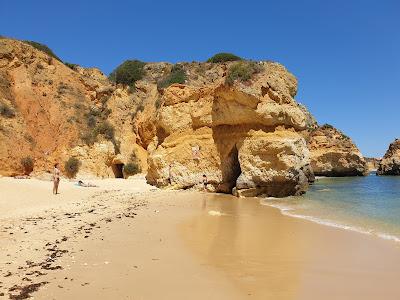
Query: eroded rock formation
point(334, 154)
point(245, 137)
point(49, 107)
point(372, 163)
point(390, 163)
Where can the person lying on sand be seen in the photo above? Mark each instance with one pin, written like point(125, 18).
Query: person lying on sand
point(81, 183)
point(22, 177)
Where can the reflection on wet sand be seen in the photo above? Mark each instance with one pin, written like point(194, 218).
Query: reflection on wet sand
point(271, 256)
point(237, 240)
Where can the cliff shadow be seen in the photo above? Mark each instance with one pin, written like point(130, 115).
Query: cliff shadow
point(117, 170)
point(225, 138)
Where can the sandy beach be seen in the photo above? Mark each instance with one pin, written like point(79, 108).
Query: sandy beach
point(128, 240)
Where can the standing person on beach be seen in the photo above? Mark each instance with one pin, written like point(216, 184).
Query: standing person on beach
point(56, 178)
point(205, 182)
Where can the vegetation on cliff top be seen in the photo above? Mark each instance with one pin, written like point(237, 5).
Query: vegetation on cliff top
point(223, 57)
point(329, 126)
point(177, 75)
point(128, 72)
point(70, 65)
point(43, 48)
point(242, 71)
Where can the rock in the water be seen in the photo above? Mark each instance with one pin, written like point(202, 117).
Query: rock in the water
point(334, 154)
point(390, 163)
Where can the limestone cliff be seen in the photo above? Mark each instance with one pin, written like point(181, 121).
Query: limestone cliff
point(372, 163)
point(50, 112)
point(334, 154)
point(390, 163)
point(235, 122)
point(244, 137)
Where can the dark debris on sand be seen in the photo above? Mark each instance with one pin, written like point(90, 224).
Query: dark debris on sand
point(23, 292)
point(106, 214)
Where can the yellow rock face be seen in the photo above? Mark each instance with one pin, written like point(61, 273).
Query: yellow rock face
point(390, 163)
point(334, 154)
point(244, 137)
point(51, 103)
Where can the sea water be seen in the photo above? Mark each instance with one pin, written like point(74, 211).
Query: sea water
point(369, 204)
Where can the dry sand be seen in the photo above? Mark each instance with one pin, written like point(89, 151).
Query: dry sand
point(128, 240)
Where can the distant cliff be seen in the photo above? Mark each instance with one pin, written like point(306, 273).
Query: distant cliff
point(390, 163)
point(334, 154)
point(372, 163)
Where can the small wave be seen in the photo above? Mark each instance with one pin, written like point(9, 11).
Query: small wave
point(288, 211)
point(215, 213)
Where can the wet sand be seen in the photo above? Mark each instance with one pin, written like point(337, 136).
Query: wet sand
point(128, 240)
point(272, 256)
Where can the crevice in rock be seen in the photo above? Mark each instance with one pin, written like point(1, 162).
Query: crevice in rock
point(230, 171)
point(117, 170)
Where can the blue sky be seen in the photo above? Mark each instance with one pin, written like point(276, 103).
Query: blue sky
point(345, 54)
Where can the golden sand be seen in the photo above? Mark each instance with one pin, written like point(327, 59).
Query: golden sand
point(126, 240)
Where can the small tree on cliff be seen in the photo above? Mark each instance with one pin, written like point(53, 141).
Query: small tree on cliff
point(223, 57)
point(128, 72)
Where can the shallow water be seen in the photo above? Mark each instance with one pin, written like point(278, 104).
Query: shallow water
point(369, 204)
point(271, 256)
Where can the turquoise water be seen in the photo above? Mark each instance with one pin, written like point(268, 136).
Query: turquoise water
point(369, 204)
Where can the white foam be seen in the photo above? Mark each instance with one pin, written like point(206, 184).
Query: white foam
point(215, 213)
point(286, 210)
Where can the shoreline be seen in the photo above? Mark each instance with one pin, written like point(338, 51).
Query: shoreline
point(334, 224)
point(273, 256)
point(130, 240)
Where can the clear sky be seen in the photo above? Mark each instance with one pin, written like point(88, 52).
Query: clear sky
point(345, 53)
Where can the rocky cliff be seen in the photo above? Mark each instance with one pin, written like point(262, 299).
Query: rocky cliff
point(245, 136)
point(235, 122)
point(334, 154)
point(390, 163)
point(373, 163)
point(50, 112)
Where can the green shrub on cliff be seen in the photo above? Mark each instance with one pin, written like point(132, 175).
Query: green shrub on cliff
point(223, 57)
point(71, 167)
point(177, 75)
point(6, 111)
point(27, 164)
point(43, 48)
point(131, 168)
point(128, 72)
point(71, 66)
point(105, 129)
point(327, 126)
point(242, 71)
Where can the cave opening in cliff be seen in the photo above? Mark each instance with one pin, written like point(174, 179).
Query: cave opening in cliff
point(230, 170)
point(117, 169)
